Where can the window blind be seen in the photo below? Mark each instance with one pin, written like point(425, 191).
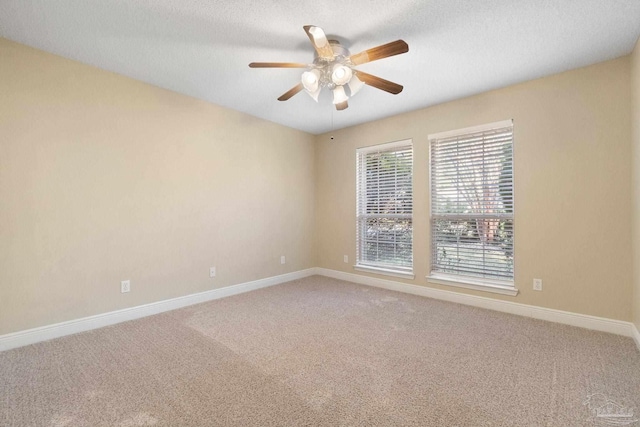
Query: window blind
point(472, 204)
point(385, 206)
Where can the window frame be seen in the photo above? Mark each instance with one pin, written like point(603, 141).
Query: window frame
point(362, 264)
point(505, 287)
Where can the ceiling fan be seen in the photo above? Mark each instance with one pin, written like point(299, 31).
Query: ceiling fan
point(333, 68)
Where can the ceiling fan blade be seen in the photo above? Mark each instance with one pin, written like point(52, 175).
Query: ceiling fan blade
point(319, 41)
point(342, 106)
point(384, 51)
point(288, 94)
point(277, 65)
point(379, 83)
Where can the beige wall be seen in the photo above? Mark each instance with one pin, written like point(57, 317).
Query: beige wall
point(103, 178)
point(635, 120)
point(572, 184)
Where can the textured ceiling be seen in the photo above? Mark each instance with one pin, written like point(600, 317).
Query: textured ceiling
point(202, 48)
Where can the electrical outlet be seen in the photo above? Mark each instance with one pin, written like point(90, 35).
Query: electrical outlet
point(212, 272)
point(537, 284)
point(125, 286)
point(346, 258)
point(282, 259)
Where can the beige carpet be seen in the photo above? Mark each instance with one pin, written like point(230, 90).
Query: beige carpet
point(321, 352)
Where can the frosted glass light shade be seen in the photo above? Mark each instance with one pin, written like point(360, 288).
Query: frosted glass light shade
point(341, 74)
point(339, 95)
point(314, 94)
point(355, 84)
point(311, 80)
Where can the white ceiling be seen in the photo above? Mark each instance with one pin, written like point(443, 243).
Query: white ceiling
point(202, 48)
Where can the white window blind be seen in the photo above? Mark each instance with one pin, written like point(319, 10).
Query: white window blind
point(385, 206)
point(472, 203)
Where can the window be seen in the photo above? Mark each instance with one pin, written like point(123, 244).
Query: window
point(385, 208)
point(472, 207)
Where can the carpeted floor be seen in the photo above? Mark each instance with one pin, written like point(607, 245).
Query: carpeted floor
point(321, 352)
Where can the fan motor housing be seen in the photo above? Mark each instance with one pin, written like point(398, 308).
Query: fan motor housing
point(338, 49)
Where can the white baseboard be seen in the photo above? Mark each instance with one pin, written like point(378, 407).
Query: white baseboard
point(636, 335)
point(580, 320)
point(45, 333)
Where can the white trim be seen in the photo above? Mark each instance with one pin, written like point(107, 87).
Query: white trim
point(45, 333)
point(471, 129)
point(477, 285)
point(385, 271)
point(617, 327)
point(636, 335)
point(385, 146)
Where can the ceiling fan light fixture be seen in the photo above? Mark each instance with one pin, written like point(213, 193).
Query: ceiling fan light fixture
point(311, 80)
point(333, 69)
point(355, 84)
point(341, 74)
point(319, 38)
point(339, 95)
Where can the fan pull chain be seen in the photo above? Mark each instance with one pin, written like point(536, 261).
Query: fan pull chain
point(331, 123)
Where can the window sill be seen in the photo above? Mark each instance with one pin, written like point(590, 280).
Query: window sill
point(470, 283)
point(384, 271)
